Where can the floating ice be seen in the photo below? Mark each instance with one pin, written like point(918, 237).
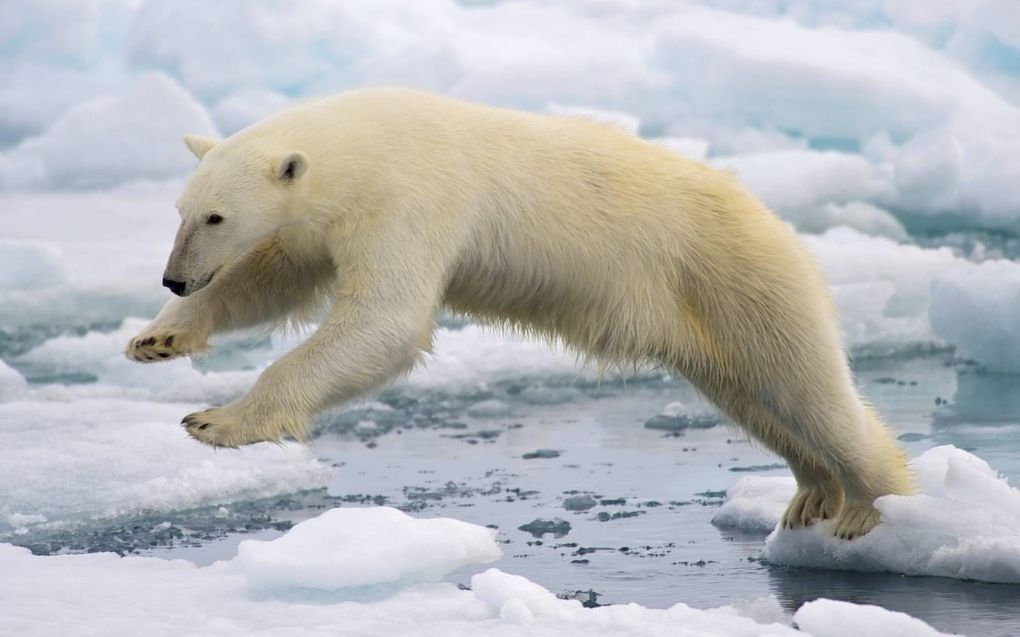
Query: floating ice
point(795, 183)
point(110, 139)
point(964, 523)
point(298, 577)
point(818, 190)
point(624, 121)
point(834, 618)
point(12, 384)
point(755, 503)
point(71, 458)
point(99, 355)
point(921, 96)
point(978, 309)
point(689, 147)
point(882, 288)
point(245, 107)
point(30, 264)
point(475, 355)
point(352, 547)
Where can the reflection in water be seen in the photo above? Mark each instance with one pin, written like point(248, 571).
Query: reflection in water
point(972, 608)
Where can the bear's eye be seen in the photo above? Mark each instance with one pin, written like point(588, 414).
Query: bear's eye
point(214, 219)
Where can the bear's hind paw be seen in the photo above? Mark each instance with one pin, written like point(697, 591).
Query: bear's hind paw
point(815, 502)
point(855, 520)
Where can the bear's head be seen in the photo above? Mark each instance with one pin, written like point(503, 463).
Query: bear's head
point(238, 196)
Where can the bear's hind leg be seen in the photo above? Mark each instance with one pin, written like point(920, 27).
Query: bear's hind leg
point(850, 444)
point(842, 456)
point(819, 495)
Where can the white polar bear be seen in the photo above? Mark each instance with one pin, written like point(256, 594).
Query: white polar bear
point(392, 204)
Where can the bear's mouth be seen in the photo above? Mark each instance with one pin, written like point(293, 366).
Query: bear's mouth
point(204, 281)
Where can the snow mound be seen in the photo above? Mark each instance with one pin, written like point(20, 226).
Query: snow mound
point(755, 503)
point(30, 264)
point(131, 135)
point(12, 384)
point(795, 183)
point(831, 618)
point(353, 547)
point(624, 121)
point(882, 288)
point(978, 309)
point(245, 107)
point(67, 459)
point(964, 523)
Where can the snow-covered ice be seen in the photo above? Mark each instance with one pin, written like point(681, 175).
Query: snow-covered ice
point(119, 132)
point(73, 460)
point(963, 523)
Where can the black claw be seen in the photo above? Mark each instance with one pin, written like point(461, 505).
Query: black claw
point(169, 341)
point(203, 426)
point(164, 355)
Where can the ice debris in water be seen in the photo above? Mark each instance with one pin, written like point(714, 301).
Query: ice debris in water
point(541, 454)
point(677, 417)
point(579, 503)
point(539, 527)
point(964, 522)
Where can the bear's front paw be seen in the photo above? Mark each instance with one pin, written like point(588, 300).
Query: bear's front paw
point(152, 346)
point(234, 425)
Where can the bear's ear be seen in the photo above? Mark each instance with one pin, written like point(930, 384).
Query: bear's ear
point(291, 166)
point(199, 145)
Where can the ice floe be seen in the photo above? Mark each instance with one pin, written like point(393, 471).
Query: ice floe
point(964, 523)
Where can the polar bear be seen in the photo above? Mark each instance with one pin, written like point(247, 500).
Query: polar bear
point(390, 204)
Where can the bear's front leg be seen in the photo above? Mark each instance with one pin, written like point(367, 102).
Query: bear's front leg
point(382, 320)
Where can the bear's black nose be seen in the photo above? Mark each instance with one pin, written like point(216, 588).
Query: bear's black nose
point(177, 287)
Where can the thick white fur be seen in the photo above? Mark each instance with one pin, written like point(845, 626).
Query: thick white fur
point(563, 227)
